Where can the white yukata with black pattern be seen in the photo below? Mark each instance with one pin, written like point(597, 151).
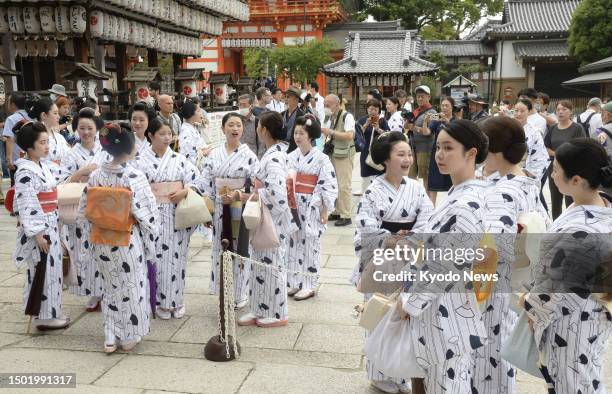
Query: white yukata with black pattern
point(58, 149)
point(190, 142)
point(268, 287)
point(537, 155)
point(126, 304)
point(241, 163)
point(31, 179)
point(172, 246)
point(304, 253)
point(383, 202)
point(572, 328)
point(88, 275)
point(446, 323)
point(141, 145)
point(510, 197)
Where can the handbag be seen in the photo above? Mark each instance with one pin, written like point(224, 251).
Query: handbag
point(191, 211)
point(521, 350)
point(68, 198)
point(252, 213)
point(369, 161)
point(391, 349)
point(360, 140)
point(375, 309)
point(265, 236)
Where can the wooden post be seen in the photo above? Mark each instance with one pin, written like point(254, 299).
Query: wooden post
point(152, 57)
point(176, 65)
point(418, 386)
point(122, 69)
point(81, 49)
point(355, 97)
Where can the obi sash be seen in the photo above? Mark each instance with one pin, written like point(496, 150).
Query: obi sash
point(228, 186)
point(395, 227)
point(47, 200)
point(109, 211)
point(305, 183)
point(162, 190)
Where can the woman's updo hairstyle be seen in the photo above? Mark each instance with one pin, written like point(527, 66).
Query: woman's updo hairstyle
point(586, 158)
point(229, 115)
point(468, 134)
point(154, 126)
point(382, 146)
point(39, 107)
point(116, 139)
point(188, 109)
point(506, 136)
point(526, 103)
point(27, 133)
point(273, 122)
point(310, 123)
point(142, 107)
point(86, 113)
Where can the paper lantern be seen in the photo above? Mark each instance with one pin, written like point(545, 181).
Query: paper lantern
point(132, 51)
point(20, 48)
point(47, 19)
point(62, 19)
point(30, 20)
point(69, 47)
point(41, 47)
point(78, 19)
point(31, 48)
point(110, 50)
point(142, 52)
point(114, 33)
point(96, 24)
point(52, 48)
point(142, 36)
point(15, 20)
point(4, 25)
point(107, 27)
point(126, 30)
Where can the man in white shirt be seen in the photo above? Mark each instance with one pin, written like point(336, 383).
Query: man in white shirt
point(402, 96)
point(534, 119)
point(277, 104)
point(339, 127)
point(17, 105)
point(591, 118)
point(319, 108)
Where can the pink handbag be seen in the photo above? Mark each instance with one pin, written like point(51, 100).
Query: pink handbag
point(264, 236)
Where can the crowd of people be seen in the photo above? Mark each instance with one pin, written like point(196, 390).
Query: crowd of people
point(295, 157)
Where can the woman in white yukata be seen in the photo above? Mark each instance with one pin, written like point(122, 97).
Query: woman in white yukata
point(45, 111)
point(516, 192)
point(35, 205)
point(77, 165)
point(446, 325)
point(140, 116)
point(316, 190)
point(268, 287)
point(228, 163)
point(190, 139)
point(170, 175)
point(568, 312)
point(392, 205)
point(126, 304)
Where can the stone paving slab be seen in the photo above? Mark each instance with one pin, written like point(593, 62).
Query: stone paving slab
point(325, 338)
point(300, 358)
point(338, 293)
point(176, 374)
point(325, 312)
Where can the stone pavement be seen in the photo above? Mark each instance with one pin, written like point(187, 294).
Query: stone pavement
point(319, 351)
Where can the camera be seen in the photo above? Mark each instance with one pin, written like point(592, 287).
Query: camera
point(434, 117)
point(407, 115)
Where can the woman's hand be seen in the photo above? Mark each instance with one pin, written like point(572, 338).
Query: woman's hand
point(244, 196)
point(602, 138)
point(87, 170)
point(323, 215)
point(206, 151)
point(42, 242)
point(444, 118)
point(178, 195)
point(400, 310)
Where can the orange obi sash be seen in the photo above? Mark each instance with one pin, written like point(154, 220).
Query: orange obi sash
point(109, 211)
point(48, 200)
point(305, 183)
point(162, 190)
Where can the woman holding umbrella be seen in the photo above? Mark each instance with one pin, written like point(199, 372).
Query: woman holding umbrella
point(38, 237)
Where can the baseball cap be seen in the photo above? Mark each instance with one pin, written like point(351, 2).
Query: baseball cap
point(607, 107)
point(594, 101)
point(423, 88)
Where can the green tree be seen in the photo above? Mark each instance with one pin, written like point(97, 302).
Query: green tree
point(302, 62)
point(591, 31)
point(255, 61)
point(444, 19)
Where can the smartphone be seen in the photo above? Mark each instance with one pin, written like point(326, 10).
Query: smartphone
point(434, 117)
point(374, 119)
point(509, 112)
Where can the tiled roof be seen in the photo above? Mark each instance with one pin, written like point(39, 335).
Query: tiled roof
point(143, 75)
point(601, 77)
point(540, 49)
point(366, 26)
point(602, 64)
point(382, 52)
point(481, 32)
point(458, 48)
point(534, 17)
point(85, 71)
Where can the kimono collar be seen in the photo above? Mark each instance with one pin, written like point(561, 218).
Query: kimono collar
point(96, 149)
point(470, 184)
point(114, 168)
point(38, 169)
point(278, 147)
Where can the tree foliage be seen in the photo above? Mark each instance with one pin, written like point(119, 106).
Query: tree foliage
point(436, 19)
point(448, 72)
point(591, 31)
point(302, 62)
point(255, 62)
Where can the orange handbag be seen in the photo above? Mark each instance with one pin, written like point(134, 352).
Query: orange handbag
point(108, 210)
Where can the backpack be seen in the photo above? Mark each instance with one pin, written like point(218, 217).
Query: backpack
point(586, 125)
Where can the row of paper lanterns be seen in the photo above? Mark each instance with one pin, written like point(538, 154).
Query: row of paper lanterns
point(112, 28)
point(66, 20)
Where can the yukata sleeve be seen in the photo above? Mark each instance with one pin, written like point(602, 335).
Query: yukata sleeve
point(462, 229)
point(191, 176)
point(67, 167)
point(326, 190)
point(537, 159)
point(188, 147)
point(83, 226)
point(274, 192)
point(145, 211)
point(206, 181)
point(26, 204)
point(424, 210)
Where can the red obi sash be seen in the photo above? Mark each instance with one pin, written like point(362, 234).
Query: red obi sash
point(48, 200)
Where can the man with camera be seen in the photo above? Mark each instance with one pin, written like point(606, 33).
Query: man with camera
point(420, 138)
point(339, 131)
